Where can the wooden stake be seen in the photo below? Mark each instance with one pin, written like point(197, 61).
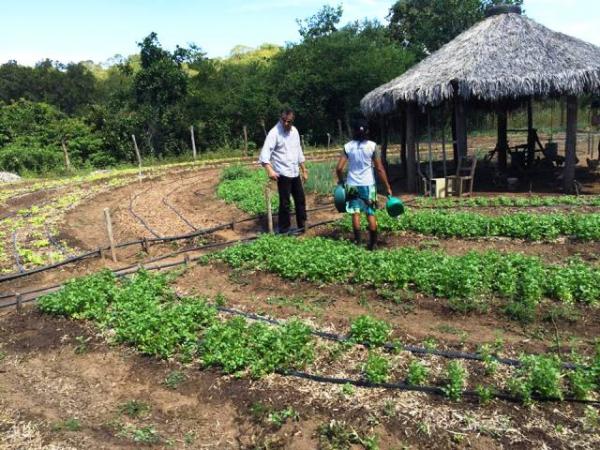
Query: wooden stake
point(246, 139)
point(19, 299)
point(193, 142)
point(269, 208)
point(328, 140)
point(66, 155)
point(339, 121)
point(570, 144)
point(109, 232)
point(139, 157)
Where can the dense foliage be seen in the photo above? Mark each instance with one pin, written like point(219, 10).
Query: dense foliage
point(530, 201)
point(523, 281)
point(530, 226)
point(158, 94)
point(144, 312)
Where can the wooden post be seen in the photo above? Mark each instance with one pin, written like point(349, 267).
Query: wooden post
point(302, 141)
point(444, 143)
point(403, 162)
point(193, 142)
point(411, 123)
point(383, 131)
point(461, 127)
point(138, 156)
point(502, 141)
point(340, 132)
point(109, 232)
point(245, 139)
point(269, 208)
point(66, 155)
point(328, 140)
point(570, 144)
point(430, 150)
point(19, 301)
point(530, 134)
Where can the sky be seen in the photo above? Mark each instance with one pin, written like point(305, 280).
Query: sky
point(79, 30)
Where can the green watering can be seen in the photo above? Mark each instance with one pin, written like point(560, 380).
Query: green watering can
point(339, 198)
point(394, 206)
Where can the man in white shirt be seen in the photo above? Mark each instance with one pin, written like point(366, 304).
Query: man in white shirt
point(283, 159)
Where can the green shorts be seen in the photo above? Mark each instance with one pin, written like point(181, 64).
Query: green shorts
point(361, 199)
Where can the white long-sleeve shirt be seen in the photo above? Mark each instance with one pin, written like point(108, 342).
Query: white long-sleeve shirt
point(283, 151)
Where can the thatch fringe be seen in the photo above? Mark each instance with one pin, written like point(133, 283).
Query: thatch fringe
point(503, 57)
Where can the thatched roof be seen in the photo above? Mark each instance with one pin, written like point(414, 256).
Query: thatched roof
point(505, 56)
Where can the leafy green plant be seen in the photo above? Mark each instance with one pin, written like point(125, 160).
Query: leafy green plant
point(417, 373)
point(235, 346)
point(489, 360)
point(523, 281)
point(376, 369)
point(485, 394)
point(174, 379)
point(348, 389)
point(338, 435)
point(71, 424)
point(538, 376)
point(582, 383)
point(134, 409)
point(369, 330)
point(456, 376)
point(279, 418)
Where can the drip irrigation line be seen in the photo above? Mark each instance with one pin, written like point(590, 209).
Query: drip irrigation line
point(448, 354)
point(420, 388)
point(172, 208)
point(15, 251)
point(139, 218)
point(61, 248)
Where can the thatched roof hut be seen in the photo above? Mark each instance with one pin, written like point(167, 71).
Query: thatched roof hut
point(504, 57)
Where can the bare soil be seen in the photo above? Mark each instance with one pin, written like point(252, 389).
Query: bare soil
point(53, 370)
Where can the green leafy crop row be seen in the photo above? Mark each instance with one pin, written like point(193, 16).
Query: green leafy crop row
point(535, 227)
point(523, 280)
point(245, 188)
point(144, 312)
point(563, 200)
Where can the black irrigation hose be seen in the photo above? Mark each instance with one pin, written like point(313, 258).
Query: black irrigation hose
point(170, 255)
point(419, 388)
point(61, 248)
point(15, 251)
point(139, 218)
point(97, 251)
point(449, 354)
point(172, 208)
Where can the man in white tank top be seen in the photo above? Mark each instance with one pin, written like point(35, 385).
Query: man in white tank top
point(362, 158)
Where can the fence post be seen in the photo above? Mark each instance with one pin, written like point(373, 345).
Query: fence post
point(109, 232)
point(269, 209)
point(139, 157)
point(193, 142)
point(66, 155)
point(19, 300)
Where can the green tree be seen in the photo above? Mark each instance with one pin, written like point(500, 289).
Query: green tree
point(323, 23)
point(324, 78)
point(159, 91)
point(424, 26)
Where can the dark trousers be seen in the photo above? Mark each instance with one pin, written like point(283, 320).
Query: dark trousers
point(286, 187)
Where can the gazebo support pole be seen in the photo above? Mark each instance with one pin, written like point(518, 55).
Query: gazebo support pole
point(403, 144)
point(461, 128)
point(570, 144)
point(530, 135)
point(383, 126)
point(430, 150)
point(502, 143)
point(410, 147)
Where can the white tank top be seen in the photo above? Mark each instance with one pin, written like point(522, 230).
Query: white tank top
point(360, 162)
